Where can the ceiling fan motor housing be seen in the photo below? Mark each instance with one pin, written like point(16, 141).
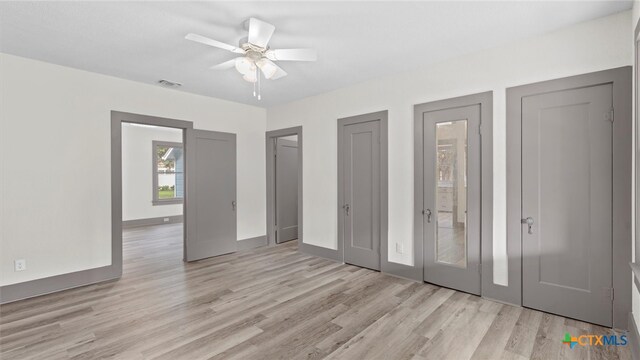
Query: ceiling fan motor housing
point(254, 55)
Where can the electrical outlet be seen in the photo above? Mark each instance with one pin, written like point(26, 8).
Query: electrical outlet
point(20, 264)
point(166, 219)
point(399, 248)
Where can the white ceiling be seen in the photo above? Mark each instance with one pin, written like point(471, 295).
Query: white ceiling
point(356, 41)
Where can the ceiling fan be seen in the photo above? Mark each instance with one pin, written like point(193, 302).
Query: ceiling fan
point(256, 57)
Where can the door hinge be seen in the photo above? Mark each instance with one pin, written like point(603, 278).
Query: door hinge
point(479, 268)
point(608, 116)
point(480, 129)
point(609, 292)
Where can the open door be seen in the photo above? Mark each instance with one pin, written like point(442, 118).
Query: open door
point(211, 194)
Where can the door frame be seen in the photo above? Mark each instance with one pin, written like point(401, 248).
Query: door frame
point(485, 101)
point(270, 137)
point(382, 117)
point(621, 79)
point(117, 119)
point(636, 87)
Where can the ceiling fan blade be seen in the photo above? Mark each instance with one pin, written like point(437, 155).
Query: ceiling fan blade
point(225, 65)
point(279, 74)
point(215, 43)
point(260, 32)
point(292, 55)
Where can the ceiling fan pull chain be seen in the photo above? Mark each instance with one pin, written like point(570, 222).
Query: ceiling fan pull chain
point(259, 85)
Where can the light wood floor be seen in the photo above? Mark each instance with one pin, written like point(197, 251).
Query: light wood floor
point(274, 303)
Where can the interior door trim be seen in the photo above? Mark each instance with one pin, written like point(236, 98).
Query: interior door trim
point(382, 117)
point(636, 86)
point(117, 118)
point(485, 100)
point(270, 137)
point(621, 79)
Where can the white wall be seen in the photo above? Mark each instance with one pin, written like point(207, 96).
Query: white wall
point(55, 141)
point(137, 166)
point(587, 47)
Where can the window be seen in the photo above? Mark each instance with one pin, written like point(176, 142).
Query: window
point(168, 173)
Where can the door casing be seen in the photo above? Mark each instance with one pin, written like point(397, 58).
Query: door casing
point(117, 118)
point(621, 79)
point(636, 86)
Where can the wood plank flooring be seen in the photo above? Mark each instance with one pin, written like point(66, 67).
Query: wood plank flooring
point(274, 303)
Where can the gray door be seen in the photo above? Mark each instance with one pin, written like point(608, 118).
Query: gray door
point(361, 188)
point(451, 183)
point(211, 194)
point(286, 179)
point(567, 197)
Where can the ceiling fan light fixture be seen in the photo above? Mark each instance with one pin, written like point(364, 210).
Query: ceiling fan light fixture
point(251, 76)
point(267, 67)
point(245, 66)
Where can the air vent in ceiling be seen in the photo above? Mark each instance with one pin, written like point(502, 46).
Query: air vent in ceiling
point(169, 84)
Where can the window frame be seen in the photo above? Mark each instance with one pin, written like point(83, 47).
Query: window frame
point(154, 172)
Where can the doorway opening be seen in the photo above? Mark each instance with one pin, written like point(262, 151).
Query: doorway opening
point(152, 200)
point(198, 174)
point(148, 198)
point(284, 185)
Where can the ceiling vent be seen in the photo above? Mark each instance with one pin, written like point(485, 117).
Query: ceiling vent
point(169, 84)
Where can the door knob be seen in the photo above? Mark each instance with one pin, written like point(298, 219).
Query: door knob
point(346, 208)
point(428, 213)
point(529, 222)
point(233, 205)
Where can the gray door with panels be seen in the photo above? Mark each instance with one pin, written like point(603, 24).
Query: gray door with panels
point(451, 203)
point(211, 194)
point(567, 154)
point(286, 178)
point(361, 188)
